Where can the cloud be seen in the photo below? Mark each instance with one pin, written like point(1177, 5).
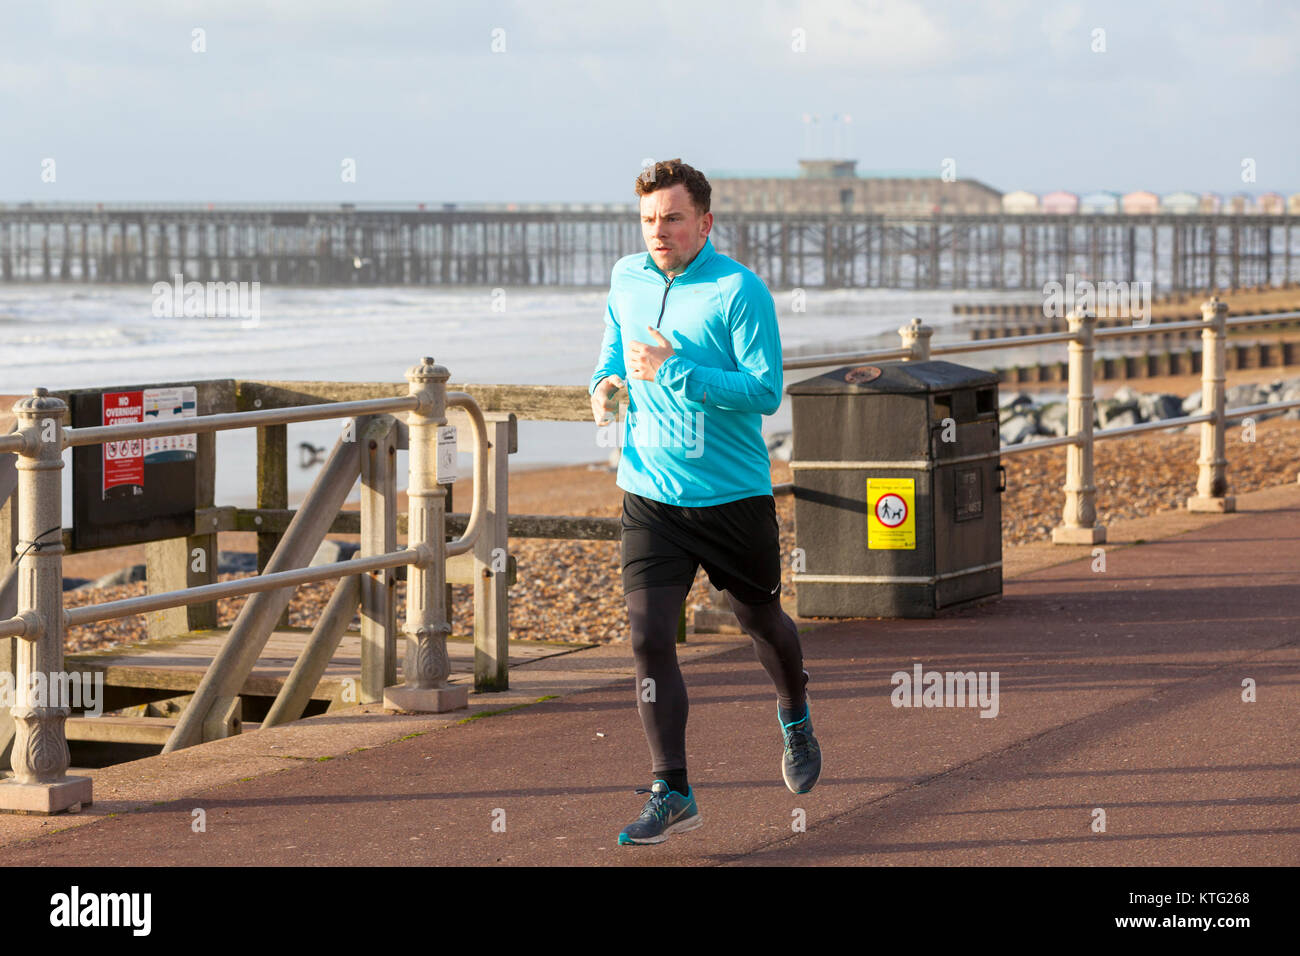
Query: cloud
point(864, 34)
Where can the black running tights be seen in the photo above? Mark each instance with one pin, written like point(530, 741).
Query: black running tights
point(661, 692)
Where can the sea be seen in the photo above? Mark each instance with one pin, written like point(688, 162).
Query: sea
point(61, 335)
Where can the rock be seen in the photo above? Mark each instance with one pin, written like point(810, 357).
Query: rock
point(236, 562)
point(1159, 406)
point(1121, 417)
point(331, 552)
point(1053, 419)
point(125, 576)
point(1126, 394)
point(1192, 403)
point(1116, 412)
point(1291, 393)
point(71, 584)
point(1240, 396)
point(1017, 429)
point(1008, 399)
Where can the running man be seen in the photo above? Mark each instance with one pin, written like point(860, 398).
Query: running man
point(694, 333)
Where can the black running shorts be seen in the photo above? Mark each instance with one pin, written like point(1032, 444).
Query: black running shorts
point(737, 542)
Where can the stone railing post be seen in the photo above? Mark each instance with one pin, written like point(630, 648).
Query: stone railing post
point(1212, 481)
point(425, 688)
point(1079, 517)
point(916, 336)
point(40, 781)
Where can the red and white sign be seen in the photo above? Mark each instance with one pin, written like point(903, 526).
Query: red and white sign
point(123, 460)
point(891, 510)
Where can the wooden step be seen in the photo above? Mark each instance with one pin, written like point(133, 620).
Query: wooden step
point(122, 730)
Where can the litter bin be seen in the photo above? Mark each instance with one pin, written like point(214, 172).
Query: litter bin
point(896, 484)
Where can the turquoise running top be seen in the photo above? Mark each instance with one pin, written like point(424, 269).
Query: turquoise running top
point(692, 437)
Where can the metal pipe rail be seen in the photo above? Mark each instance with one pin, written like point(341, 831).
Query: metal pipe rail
point(985, 345)
point(479, 507)
point(1117, 432)
point(111, 610)
point(1247, 410)
point(99, 434)
point(1120, 331)
point(846, 358)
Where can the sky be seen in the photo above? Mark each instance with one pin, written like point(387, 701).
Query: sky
point(520, 100)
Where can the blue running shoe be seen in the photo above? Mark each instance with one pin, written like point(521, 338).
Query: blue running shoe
point(801, 764)
point(665, 813)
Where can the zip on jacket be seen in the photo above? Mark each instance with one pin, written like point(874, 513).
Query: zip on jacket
point(664, 302)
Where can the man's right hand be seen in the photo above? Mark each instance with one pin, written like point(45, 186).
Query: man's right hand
point(601, 410)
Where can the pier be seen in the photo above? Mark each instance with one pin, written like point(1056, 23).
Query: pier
point(576, 244)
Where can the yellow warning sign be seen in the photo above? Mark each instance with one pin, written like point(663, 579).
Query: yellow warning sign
point(891, 518)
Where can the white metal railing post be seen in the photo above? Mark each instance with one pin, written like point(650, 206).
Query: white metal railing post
point(425, 688)
point(40, 781)
point(1212, 481)
point(1079, 516)
point(916, 336)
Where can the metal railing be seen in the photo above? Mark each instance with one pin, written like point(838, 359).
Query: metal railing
point(1079, 514)
point(40, 756)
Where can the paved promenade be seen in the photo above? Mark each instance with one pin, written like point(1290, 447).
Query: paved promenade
point(1120, 691)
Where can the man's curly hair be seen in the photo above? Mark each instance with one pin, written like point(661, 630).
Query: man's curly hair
point(670, 172)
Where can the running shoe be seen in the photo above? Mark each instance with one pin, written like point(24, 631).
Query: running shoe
point(801, 764)
point(665, 813)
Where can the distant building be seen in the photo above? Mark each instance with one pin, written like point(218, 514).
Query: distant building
point(1105, 203)
point(1181, 203)
point(1270, 204)
point(1240, 203)
point(835, 186)
point(1211, 202)
point(1060, 203)
point(1293, 204)
point(1140, 202)
point(1020, 203)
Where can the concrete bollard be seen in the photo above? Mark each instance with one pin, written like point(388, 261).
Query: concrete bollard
point(1212, 480)
point(1079, 517)
point(425, 688)
point(40, 781)
point(916, 336)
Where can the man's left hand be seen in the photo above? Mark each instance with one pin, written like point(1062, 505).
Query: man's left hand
point(644, 360)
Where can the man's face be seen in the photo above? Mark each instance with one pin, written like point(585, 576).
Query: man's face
point(674, 230)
